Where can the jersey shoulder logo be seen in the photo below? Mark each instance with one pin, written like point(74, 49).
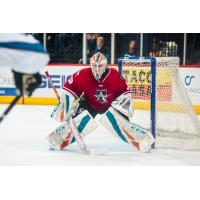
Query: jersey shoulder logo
point(77, 73)
point(70, 79)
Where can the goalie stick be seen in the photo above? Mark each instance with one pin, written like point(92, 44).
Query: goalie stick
point(69, 119)
point(51, 82)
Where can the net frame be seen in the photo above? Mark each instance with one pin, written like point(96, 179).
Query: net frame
point(171, 63)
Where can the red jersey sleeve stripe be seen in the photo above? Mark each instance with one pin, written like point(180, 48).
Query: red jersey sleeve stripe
point(73, 93)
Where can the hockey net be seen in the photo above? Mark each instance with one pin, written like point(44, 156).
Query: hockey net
point(176, 124)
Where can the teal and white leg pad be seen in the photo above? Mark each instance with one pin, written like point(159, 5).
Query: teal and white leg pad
point(62, 136)
point(62, 107)
point(119, 126)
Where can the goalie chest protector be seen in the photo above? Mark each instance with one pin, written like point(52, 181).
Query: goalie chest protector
point(99, 94)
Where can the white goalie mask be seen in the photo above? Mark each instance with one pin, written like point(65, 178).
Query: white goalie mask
point(98, 63)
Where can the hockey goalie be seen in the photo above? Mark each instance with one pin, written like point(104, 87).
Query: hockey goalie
point(103, 91)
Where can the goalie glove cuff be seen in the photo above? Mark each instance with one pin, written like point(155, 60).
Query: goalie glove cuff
point(124, 104)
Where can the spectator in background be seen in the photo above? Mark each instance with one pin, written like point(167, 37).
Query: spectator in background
point(59, 42)
point(91, 42)
point(101, 48)
point(155, 48)
point(131, 49)
point(56, 41)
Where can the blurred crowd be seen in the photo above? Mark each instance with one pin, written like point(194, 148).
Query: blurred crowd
point(68, 47)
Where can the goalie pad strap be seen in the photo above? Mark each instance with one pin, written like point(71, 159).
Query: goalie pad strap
point(115, 125)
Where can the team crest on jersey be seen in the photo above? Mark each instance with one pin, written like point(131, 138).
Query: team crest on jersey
point(101, 95)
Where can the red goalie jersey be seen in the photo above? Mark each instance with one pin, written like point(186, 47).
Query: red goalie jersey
point(98, 93)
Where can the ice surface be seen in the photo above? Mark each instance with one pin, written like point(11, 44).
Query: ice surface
point(23, 142)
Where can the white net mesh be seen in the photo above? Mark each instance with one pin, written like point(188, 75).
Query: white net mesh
point(177, 126)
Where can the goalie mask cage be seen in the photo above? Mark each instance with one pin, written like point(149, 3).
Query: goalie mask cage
point(160, 101)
